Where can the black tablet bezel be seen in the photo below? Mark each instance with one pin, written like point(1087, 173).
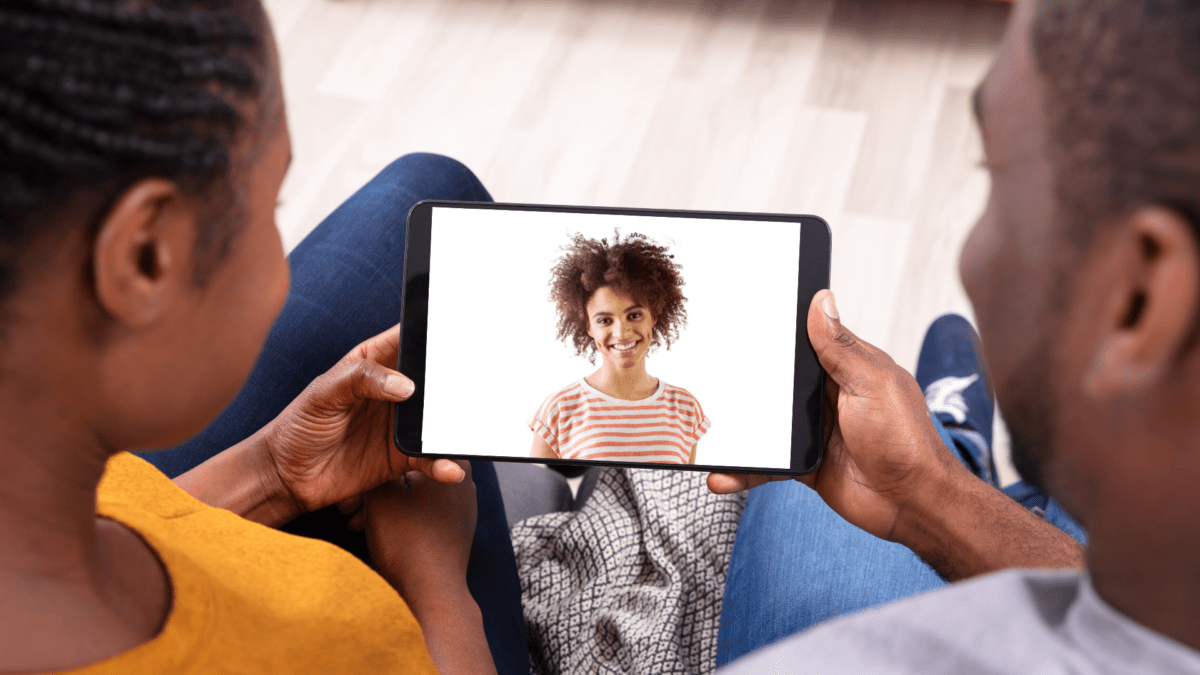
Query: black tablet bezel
point(808, 406)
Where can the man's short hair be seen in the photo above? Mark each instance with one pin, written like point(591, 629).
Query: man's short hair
point(1122, 104)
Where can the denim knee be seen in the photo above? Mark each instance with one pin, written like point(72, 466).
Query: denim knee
point(436, 177)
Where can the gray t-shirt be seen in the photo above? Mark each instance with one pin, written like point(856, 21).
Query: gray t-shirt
point(1017, 621)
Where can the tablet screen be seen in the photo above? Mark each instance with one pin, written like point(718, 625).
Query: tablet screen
point(611, 337)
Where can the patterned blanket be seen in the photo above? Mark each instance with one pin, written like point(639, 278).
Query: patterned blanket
point(633, 581)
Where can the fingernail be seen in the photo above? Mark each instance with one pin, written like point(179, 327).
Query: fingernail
point(397, 385)
point(830, 307)
point(461, 474)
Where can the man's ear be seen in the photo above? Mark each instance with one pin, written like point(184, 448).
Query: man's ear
point(142, 250)
point(1150, 309)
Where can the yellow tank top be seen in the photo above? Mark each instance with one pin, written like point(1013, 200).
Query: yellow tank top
point(250, 599)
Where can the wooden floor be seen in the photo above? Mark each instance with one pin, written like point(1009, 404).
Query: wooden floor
point(854, 110)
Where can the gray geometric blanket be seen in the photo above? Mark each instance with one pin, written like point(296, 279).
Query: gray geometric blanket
point(633, 581)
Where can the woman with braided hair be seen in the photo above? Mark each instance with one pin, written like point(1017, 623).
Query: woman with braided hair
point(618, 300)
point(142, 286)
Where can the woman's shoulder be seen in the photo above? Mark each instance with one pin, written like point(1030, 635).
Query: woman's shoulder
point(678, 393)
point(684, 401)
point(131, 480)
point(225, 571)
point(564, 395)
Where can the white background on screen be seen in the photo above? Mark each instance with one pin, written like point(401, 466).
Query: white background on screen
point(493, 358)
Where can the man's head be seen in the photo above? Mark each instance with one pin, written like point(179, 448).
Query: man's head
point(1084, 269)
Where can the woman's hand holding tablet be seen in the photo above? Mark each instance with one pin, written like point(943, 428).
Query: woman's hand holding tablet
point(324, 448)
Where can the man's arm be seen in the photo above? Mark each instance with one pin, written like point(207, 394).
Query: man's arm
point(963, 527)
point(887, 471)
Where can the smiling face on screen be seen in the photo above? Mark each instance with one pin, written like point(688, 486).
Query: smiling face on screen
point(621, 327)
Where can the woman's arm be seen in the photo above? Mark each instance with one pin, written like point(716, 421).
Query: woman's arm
point(332, 444)
point(419, 535)
point(692, 457)
point(541, 450)
point(243, 479)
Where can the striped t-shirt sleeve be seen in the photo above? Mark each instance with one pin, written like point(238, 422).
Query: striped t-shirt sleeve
point(544, 423)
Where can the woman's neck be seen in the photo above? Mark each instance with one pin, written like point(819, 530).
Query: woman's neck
point(48, 504)
point(76, 588)
point(629, 384)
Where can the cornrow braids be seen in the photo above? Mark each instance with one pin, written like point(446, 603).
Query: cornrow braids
point(98, 94)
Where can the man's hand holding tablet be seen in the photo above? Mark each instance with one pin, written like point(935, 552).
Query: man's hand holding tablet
point(887, 471)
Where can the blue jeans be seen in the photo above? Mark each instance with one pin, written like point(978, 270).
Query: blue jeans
point(796, 563)
point(346, 280)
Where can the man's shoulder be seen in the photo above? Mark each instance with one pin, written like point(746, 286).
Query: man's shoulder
point(1004, 622)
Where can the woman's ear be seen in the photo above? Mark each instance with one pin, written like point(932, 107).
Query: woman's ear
point(1151, 309)
point(142, 254)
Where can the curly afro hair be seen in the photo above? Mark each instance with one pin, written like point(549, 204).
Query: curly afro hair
point(635, 265)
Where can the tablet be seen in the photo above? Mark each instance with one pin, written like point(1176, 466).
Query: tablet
point(619, 337)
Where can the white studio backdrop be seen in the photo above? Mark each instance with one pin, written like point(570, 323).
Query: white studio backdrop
point(492, 357)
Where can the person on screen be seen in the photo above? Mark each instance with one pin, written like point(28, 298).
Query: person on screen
point(618, 300)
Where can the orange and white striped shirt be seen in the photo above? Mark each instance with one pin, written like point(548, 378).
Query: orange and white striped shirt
point(580, 422)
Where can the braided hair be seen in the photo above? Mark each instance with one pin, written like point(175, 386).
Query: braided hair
point(98, 94)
